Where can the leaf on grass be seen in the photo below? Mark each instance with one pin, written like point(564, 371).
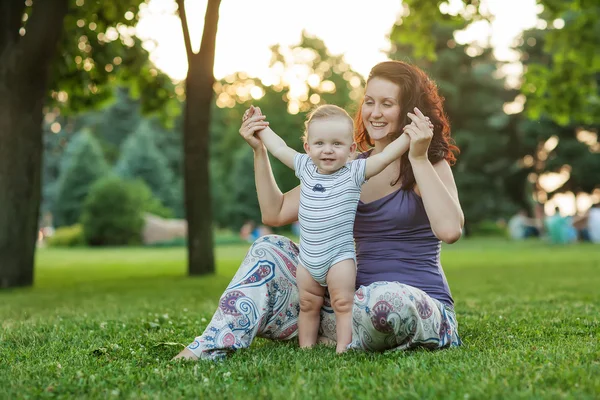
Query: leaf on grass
point(168, 344)
point(152, 325)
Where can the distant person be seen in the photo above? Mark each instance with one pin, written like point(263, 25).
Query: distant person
point(296, 228)
point(520, 226)
point(560, 229)
point(593, 223)
point(247, 232)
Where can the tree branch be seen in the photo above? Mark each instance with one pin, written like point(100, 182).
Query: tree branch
point(211, 21)
point(11, 13)
point(186, 31)
point(43, 32)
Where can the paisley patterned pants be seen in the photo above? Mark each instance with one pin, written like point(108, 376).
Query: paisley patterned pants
point(262, 301)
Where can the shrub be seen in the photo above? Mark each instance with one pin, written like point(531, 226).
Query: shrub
point(141, 159)
point(113, 213)
point(67, 236)
point(488, 229)
point(83, 164)
point(149, 203)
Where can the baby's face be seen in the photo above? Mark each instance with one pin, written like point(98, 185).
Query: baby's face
point(330, 143)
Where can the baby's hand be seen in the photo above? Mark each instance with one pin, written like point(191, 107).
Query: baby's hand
point(250, 112)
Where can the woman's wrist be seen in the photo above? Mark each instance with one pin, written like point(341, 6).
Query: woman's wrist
point(260, 151)
point(415, 161)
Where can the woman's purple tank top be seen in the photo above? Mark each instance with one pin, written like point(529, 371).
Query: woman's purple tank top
point(395, 243)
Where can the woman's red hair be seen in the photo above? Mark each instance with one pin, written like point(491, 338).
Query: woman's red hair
point(416, 90)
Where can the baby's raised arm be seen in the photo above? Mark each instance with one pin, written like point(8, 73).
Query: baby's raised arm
point(393, 151)
point(278, 147)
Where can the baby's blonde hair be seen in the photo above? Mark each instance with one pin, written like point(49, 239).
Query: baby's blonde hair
point(326, 111)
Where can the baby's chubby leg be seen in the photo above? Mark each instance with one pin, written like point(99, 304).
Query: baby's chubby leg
point(311, 300)
point(341, 279)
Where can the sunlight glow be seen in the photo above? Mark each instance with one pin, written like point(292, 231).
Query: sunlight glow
point(550, 181)
point(248, 29)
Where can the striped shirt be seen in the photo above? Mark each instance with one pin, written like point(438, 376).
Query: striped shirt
point(326, 215)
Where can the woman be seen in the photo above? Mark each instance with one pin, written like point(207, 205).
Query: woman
point(403, 299)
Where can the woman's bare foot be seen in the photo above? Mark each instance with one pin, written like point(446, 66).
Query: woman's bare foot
point(186, 354)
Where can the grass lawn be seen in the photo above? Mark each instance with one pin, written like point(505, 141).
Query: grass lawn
point(105, 323)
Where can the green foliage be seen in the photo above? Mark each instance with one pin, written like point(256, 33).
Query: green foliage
point(242, 201)
point(54, 145)
point(527, 313)
point(565, 88)
point(113, 124)
point(141, 159)
point(82, 164)
point(67, 236)
point(99, 52)
point(579, 155)
point(150, 203)
point(488, 228)
point(113, 213)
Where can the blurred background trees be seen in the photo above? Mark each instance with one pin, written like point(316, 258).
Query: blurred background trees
point(503, 154)
point(112, 127)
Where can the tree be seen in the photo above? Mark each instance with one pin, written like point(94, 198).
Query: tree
point(24, 69)
point(82, 165)
point(96, 51)
point(199, 96)
point(113, 124)
point(565, 89)
point(570, 150)
point(140, 158)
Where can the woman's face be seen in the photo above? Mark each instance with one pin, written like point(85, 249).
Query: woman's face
point(381, 108)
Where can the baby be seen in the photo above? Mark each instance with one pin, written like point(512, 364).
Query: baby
point(330, 185)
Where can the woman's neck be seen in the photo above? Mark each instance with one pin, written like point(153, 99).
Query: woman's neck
point(381, 144)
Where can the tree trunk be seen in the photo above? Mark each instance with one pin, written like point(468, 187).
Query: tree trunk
point(199, 98)
point(24, 71)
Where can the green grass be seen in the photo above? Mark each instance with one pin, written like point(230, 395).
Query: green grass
point(101, 323)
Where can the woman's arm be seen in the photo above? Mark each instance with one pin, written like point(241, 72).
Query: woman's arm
point(437, 188)
point(276, 208)
point(435, 183)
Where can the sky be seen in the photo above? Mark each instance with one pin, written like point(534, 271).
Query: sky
point(356, 28)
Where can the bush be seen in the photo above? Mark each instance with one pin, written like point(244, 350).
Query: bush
point(488, 229)
point(67, 236)
point(82, 165)
point(149, 203)
point(141, 159)
point(113, 213)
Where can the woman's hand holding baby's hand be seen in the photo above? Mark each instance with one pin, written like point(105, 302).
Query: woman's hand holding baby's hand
point(420, 132)
point(252, 122)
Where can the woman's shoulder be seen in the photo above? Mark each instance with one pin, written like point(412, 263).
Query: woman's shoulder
point(364, 154)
